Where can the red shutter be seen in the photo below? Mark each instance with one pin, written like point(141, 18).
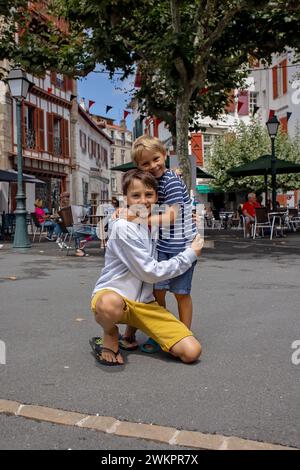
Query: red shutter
point(53, 78)
point(50, 135)
point(284, 76)
point(65, 134)
point(40, 129)
point(230, 102)
point(243, 103)
point(283, 125)
point(275, 82)
point(197, 148)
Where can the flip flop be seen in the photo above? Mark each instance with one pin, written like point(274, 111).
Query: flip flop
point(104, 362)
point(96, 342)
point(125, 344)
point(150, 347)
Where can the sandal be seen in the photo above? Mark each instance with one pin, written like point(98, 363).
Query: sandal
point(97, 342)
point(150, 347)
point(104, 361)
point(80, 253)
point(125, 343)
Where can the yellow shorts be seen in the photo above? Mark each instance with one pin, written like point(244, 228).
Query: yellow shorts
point(155, 321)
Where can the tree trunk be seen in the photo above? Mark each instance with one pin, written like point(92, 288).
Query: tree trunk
point(182, 136)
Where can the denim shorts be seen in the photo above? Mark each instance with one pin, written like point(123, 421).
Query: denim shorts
point(177, 285)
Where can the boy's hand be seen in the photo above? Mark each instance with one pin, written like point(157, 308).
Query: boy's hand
point(197, 244)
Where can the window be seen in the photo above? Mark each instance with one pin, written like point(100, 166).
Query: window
point(112, 134)
point(114, 184)
point(112, 157)
point(123, 138)
point(207, 138)
point(82, 137)
point(30, 127)
point(122, 157)
point(253, 101)
point(280, 84)
point(57, 137)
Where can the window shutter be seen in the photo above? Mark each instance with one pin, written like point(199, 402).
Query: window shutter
point(197, 148)
point(283, 125)
point(53, 78)
point(275, 82)
point(284, 77)
point(40, 131)
point(65, 137)
point(50, 135)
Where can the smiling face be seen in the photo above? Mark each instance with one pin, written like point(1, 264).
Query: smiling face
point(140, 198)
point(152, 161)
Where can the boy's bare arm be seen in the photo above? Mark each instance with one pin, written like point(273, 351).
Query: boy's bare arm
point(166, 219)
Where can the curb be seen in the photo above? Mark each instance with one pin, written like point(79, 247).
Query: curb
point(149, 432)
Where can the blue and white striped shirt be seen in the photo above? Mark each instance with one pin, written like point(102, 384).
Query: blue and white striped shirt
point(171, 191)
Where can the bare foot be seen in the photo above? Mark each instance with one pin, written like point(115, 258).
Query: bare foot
point(111, 342)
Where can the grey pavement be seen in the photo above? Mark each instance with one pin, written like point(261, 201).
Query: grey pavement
point(246, 315)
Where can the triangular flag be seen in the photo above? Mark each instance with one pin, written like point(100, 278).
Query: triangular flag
point(126, 114)
point(108, 108)
point(255, 109)
point(49, 90)
point(91, 103)
point(271, 113)
point(288, 115)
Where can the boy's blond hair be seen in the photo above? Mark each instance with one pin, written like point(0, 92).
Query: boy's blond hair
point(145, 142)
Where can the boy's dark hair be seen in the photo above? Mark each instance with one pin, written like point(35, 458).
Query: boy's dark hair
point(146, 178)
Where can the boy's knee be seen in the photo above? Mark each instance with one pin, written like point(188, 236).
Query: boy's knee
point(110, 305)
point(188, 350)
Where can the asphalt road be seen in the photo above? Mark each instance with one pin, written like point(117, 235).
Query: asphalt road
point(246, 297)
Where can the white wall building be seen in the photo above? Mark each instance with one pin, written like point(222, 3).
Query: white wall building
point(91, 176)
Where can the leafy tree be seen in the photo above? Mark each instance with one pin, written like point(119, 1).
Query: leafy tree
point(182, 47)
point(245, 144)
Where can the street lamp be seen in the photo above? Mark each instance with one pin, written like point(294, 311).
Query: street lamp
point(272, 126)
point(18, 86)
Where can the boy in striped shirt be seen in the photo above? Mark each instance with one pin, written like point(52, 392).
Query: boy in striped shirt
point(177, 229)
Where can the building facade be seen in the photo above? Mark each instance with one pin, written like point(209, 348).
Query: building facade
point(91, 176)
point(120, 148)
point(46, 127)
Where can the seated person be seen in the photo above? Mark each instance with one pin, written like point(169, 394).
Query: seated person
point(249, 212)
point(43, 218)
point(124, 292)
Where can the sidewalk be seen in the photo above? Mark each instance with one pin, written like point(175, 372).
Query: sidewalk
point(246, 297)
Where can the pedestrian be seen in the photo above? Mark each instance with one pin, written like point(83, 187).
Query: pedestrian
point(176, 230)
point(124, 292)
point(249, 212)
point(43, 218)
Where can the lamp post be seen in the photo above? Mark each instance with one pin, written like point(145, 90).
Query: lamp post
point(272, 126)
point(18, 86)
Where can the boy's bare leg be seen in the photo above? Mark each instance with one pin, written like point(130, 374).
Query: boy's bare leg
point(188, 349)
point(129, 335)
point(109, 311)
point(185, 308)
point(160, 297)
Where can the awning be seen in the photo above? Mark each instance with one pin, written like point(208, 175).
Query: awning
point(207, 189)
point(11, 176)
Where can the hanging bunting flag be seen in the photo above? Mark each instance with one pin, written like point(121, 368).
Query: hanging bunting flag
point(255, 109)
point(203, 91)
point(126, 114)
point(271, 113)
point(288, 115)
point(91, 103)
point(49, 90)
point(108, 108)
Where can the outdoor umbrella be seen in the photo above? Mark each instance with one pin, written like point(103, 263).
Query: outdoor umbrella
point(262, 166)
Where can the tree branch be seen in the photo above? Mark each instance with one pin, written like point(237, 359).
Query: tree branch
point(175, 14)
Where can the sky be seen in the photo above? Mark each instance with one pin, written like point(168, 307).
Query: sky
point(99, 88)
